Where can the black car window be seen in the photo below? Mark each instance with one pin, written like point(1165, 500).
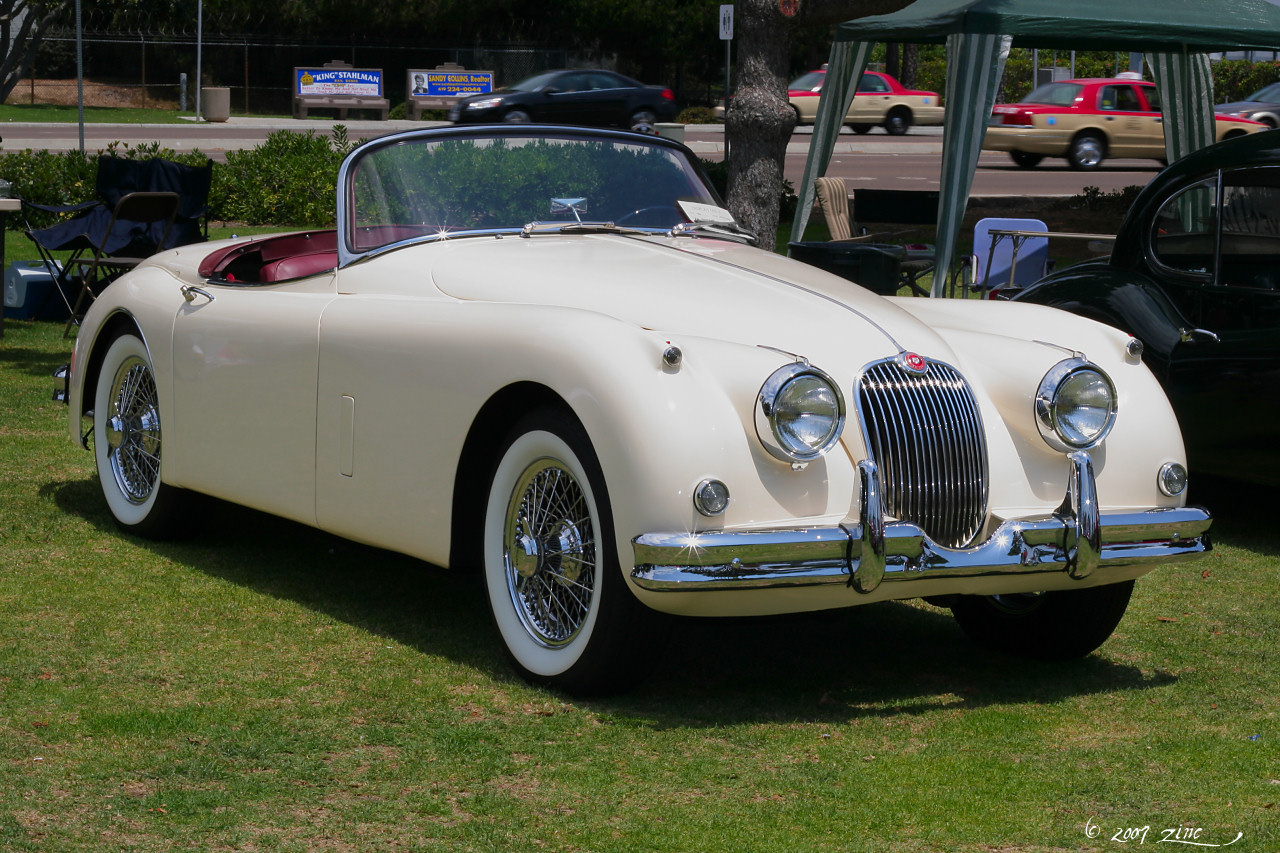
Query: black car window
point(601, 80)
point(1184, 233)
point(1118, 99)
point(1250, 245)
point(572, 83)
point(872, 83)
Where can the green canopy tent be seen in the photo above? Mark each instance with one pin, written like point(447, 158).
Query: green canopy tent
point(1176, 36)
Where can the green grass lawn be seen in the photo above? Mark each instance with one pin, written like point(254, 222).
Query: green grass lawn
point(264, 686)
point(53, 113)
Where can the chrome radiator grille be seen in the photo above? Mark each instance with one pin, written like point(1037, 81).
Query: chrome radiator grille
point(925, 433)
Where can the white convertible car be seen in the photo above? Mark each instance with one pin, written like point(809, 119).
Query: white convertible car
point(551, 354)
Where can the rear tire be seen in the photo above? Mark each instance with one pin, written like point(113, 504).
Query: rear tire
point(127, 444)
point(898, 122)
point(1059, 625)
point(1026, 159)
point(861, 128)
point(561, 605)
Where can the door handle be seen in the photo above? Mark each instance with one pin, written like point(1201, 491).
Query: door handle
point(190, 291)
point(1192, 336)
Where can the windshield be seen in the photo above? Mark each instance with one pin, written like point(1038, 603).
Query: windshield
point(1054, 94)
point(532, 84)
point(1267, 94)
point(426, 185)
point(811, 82)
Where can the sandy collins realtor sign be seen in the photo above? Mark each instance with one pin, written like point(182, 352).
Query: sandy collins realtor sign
point(339, 81)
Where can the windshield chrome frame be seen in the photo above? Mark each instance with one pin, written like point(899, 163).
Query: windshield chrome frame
point(348, 254)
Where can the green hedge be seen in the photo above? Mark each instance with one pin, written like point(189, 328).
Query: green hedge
point(291, 179)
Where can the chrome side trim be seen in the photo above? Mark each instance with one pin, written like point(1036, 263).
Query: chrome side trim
point(1077, 538)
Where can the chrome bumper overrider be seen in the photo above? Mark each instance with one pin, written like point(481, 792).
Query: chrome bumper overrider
point(863, 553)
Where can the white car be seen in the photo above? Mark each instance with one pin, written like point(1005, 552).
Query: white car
point(551, 354)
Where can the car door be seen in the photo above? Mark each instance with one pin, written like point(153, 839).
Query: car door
point(566, 100)
point(608, 100)
point(1224, 375)
point(871, 101)
point(1127, 122)
point(244, 393)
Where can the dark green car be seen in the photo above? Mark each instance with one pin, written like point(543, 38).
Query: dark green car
point(1195, 276)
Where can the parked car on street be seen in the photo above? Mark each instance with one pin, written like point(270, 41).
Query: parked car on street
point(1263, 105)
point(1088, 120)
point(552, 355)
point(881, 101)
point(1195, 275)
point(581, 96)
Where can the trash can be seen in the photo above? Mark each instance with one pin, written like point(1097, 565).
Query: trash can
point(875, 266)
point(215, 103)
point(670, 130)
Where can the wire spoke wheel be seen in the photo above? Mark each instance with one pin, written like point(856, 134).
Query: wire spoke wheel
point(550, 553)
point(127, 445)
point(556, 590)
point(133, 430)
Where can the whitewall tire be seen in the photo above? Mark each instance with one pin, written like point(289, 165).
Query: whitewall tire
point(562, 608)
point(128, 442)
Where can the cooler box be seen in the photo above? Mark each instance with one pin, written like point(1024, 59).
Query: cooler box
point(30, 293)
point(875, 266)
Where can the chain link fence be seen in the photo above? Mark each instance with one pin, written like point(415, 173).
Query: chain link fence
point(159, 72)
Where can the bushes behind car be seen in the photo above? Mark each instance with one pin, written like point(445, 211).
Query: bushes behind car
point(289, 180)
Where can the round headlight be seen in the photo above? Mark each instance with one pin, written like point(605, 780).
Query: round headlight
point(1075, 406)
point(800, 413)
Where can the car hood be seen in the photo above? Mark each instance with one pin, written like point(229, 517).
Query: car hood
point(682, 286)
point(1238, 106)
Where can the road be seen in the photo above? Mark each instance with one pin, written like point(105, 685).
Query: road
point(876, 159)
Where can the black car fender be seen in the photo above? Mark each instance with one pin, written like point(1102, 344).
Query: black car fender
point(1126, 300)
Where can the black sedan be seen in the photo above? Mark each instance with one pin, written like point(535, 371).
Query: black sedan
point(1195, 276)
point(577, 96)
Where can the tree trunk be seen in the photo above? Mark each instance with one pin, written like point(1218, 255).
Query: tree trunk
point(910, 65)
point(759, 122)
point(760, 119)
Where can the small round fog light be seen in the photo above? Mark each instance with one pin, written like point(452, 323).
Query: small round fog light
point(711, 497)
point(1172, 479)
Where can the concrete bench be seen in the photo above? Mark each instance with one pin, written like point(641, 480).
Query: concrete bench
point(303, 103)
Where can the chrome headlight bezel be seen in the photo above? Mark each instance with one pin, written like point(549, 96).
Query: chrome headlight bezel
point(1054, 403)
point(782, 443)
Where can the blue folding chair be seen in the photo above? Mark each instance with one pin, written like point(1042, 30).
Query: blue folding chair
point(1009, 260)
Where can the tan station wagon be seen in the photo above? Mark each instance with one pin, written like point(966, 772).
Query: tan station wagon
point(1087, 121)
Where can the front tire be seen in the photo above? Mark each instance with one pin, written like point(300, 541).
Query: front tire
point(1059, 625)
point(1087, 152)
point(517, 116)
point(127, 443)
point(556, 591)
point(643, 121)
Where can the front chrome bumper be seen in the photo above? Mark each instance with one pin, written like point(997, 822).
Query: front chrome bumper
point(1076, 539)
